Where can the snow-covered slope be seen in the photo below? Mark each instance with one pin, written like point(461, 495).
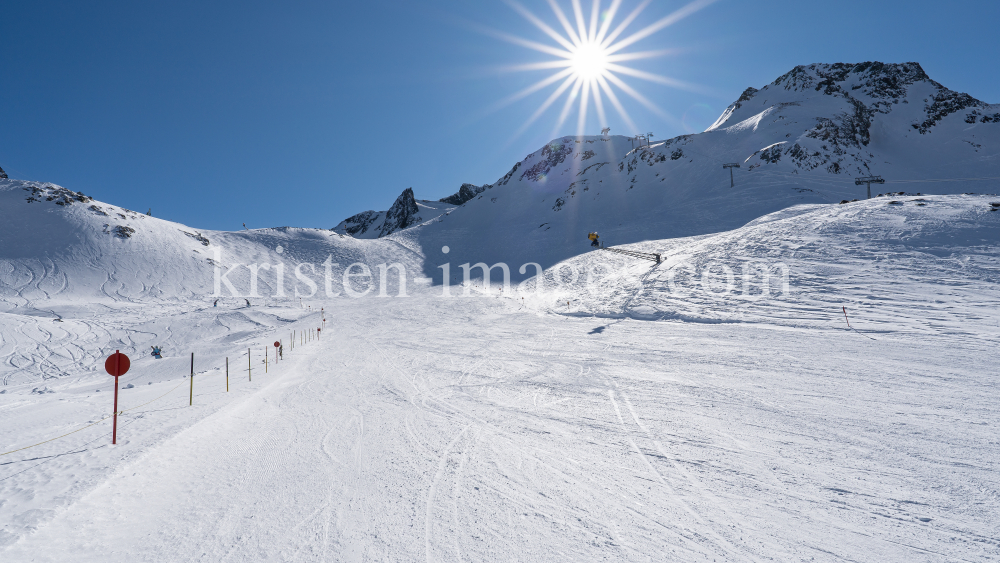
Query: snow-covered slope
point(59, 242)
point(80, 278)
point(925, 265)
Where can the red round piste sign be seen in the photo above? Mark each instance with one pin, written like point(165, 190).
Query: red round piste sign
point(276, 344)
point(117, 364)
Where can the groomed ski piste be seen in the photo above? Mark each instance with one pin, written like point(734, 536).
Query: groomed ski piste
point(559, 421)
point(797, 379)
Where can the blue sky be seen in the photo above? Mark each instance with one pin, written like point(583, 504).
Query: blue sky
point(305, 112)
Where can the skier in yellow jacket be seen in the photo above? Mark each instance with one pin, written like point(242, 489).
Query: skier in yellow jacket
point(593, 239)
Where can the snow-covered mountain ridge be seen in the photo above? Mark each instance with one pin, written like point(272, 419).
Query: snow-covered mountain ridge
point(802, 138)
point(865, 89)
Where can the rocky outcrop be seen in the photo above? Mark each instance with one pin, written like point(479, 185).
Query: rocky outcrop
point(359, 224)
point(553, 154)
point(3, 175)
point(464, 194)
point(406, 212)
point(55, 194)
point(401, 215)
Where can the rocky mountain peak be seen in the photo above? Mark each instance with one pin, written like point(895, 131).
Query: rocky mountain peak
point(876, 79)
point(3, 175)
point(401, 215)
point(868, 88)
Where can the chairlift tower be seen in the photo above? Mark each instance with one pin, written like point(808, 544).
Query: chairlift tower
point(649, 138)
point(730, 166)
point(869, 180)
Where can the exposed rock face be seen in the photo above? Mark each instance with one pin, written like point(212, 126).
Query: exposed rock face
point(464, 194)
point(401, 215)
point(3, 175)
point(122, 231)
point(554, 154)
point(404, 213)
point(358, 224)
point(55, 194)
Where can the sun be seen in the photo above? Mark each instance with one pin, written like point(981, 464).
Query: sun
point(588, 55)
point(589, 61)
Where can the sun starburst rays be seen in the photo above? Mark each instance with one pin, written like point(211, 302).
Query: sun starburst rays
point(588, 60)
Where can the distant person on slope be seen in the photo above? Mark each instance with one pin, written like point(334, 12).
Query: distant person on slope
point(216, 304)
point(247, 300)
point(593, 239)
point(156, 352)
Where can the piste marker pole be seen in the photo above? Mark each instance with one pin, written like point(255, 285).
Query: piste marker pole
point(191, 396)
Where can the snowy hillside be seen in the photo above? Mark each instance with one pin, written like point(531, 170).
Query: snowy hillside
point(925, 265)
point(70, 265)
